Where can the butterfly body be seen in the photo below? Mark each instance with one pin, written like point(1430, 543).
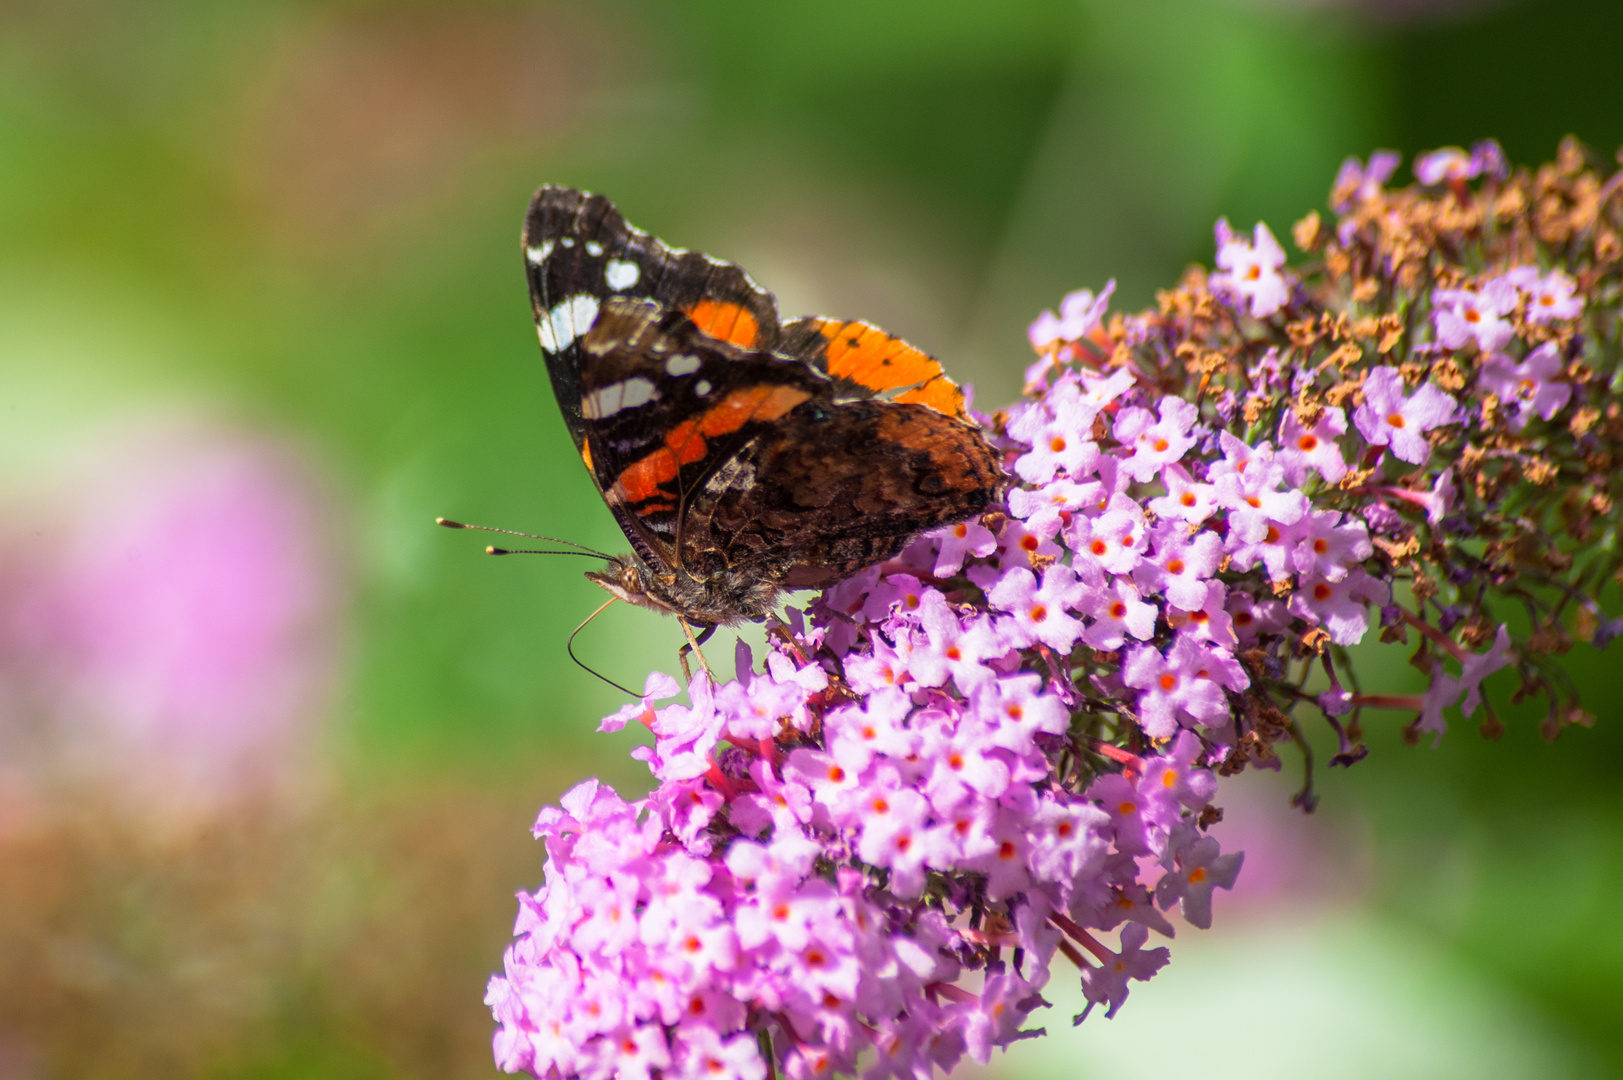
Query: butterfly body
point(740, 455)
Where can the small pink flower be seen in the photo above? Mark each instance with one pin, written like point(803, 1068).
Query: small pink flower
point(1301, 449)
point(1016, 545)
point(1437, 502)
point(1200, 869)
point(1186, 499)
point(1251, 270)
point(1206, 619)
point(1039, 611)
point(1549, 296)
point(1341, 607)
point(1387, 417)
point(1252, 617)
point(1463, 316)
point(964, 646)
point(1172, 783)
point(1112, 543)
point(959, 542)
point(1479, 666)
point(706, 1053)
point(1155, 442)
point(1126, 806)
point(1117, 611)
point(1187, 681)
point(1021, 711)
point(1080, 314)
point(1181, 564)
point(1326, 547)
point(896, 833)
point(1247, 482)
point(1443, 692)
point(1060, 434)
point(1530, 387)
point(1449, 163)
point(1049, 508)
point(1355, 184)
point(1107, 983)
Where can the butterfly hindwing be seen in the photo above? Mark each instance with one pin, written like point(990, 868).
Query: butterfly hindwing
point(834, 488)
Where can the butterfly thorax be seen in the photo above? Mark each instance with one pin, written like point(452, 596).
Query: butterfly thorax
point(721, 599)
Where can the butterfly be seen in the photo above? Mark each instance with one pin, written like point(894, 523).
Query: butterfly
point(741, 455)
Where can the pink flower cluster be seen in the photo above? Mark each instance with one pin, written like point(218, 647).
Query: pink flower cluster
point(862, 862)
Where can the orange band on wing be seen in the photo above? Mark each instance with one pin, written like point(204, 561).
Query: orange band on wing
point(869, 357)
point(764, 403)
point(684, 444)
point(725, 322)
point(641, 480)
point(685, 441)
point(942, 394)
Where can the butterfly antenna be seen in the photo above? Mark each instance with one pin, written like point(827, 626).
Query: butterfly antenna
point(579, 548)
point(570, 649)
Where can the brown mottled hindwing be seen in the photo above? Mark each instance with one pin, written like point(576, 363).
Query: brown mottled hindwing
point(835, 489)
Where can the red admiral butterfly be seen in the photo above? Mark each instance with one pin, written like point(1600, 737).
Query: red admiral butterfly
point(741, 456)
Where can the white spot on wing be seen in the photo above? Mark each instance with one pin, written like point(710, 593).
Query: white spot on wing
point(637, 392)
point(620, 274)
point(567, 241)
point(538, 255)
point(608, 400)
point(593, 248)
point(681, 364)
point(568, 321)
point(702, 387)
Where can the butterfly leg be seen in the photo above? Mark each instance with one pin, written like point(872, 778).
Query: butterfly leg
point(693, 647)
point(775, 626)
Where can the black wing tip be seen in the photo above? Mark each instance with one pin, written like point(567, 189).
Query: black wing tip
point(551, 195)
point(555, 203)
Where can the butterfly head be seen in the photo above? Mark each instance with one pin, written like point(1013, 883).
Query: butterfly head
point(629, 578)
point(721, 599)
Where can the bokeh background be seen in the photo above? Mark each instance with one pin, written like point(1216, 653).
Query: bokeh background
point(270, 742)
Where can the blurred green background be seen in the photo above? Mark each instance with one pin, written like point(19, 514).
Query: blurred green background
point(289, 232)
